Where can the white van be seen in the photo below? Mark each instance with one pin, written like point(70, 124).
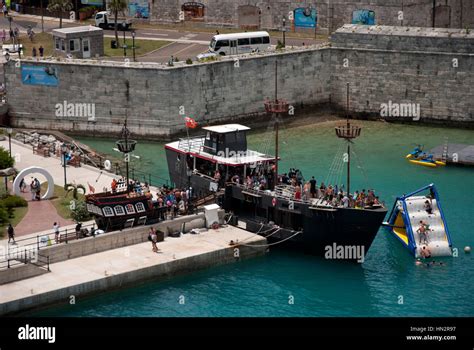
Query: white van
point(238, 43)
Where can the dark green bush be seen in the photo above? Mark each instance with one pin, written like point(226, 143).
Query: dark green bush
point(14, 202)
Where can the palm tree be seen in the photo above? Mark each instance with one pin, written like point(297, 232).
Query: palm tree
point(117, 6)
point(58, 7)
point(75, 190)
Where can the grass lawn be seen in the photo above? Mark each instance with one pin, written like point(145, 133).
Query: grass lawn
point(40, 39)
point(18, 214)
point(141, 46)
point(46, 40)
point(60, 201)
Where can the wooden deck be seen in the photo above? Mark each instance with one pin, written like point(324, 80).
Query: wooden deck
point(457, 153)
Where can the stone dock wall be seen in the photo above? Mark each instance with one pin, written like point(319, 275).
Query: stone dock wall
point(384, 65)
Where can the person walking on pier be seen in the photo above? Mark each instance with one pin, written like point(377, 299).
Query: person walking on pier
point(153, 238)
point(11, 233)
point(56, 232)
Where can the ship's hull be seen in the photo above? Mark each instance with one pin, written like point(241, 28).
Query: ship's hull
point(315, 230)
point(259, 211)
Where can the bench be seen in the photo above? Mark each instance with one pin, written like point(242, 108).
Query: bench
point(41, 150)
point(66, 237)
point(75, 162)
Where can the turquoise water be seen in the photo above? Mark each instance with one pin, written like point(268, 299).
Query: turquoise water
point(266, 286)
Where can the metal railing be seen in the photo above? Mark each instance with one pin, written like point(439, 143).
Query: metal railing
point(25, 247)
point(25, 256)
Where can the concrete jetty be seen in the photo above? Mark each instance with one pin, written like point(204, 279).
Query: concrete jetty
point(126, 266)
point(456, 153)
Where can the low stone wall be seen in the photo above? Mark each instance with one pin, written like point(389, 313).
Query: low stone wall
point(118, 239)
point(155, 272)
point(20, 272)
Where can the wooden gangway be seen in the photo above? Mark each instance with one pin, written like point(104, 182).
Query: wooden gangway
point(454, 153)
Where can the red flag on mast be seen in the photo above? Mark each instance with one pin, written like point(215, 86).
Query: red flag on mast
point(190, 123)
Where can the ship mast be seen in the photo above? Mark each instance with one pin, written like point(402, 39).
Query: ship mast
point(276, 107)
point(126, 146)
point(348, 132)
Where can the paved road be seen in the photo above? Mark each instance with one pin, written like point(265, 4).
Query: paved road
point(184, 44)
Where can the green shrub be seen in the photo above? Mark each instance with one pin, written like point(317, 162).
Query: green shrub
point(80, 213)
point(189, 61)
point(280, 45)
point(5, 160)
point(3, 216)
point(14, 202)
point(209, 59)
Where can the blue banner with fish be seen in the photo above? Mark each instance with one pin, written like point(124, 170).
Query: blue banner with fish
point(305, 17)
point(39, 75)
point(139, 8)
point(363, 17)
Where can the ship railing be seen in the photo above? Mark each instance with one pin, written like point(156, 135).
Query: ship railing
point(283, 192)
point(276, 194)
point(150, 179)
point(193, 144)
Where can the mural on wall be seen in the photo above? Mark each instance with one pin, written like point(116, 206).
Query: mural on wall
point(305, 17)
point(39, 75)
point(363, 17)
point(139, 8)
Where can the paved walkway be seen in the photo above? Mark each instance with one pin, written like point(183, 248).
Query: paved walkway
point(131, 259)
point(41, 214)
point(40, 217)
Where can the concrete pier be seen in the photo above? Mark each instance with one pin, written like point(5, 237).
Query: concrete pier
point(456, 153)
point(128, 265)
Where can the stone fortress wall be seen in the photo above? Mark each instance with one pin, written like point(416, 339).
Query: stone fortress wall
point(433, 69)
point(331, 14)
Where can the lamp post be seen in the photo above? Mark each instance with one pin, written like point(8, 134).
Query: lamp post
point(64, 152)
point(124, 45)
point(284, 32)
point(126, 146)
point(133, 45)
point(9, 132)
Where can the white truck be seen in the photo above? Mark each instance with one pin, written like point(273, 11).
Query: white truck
point(106, 20)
